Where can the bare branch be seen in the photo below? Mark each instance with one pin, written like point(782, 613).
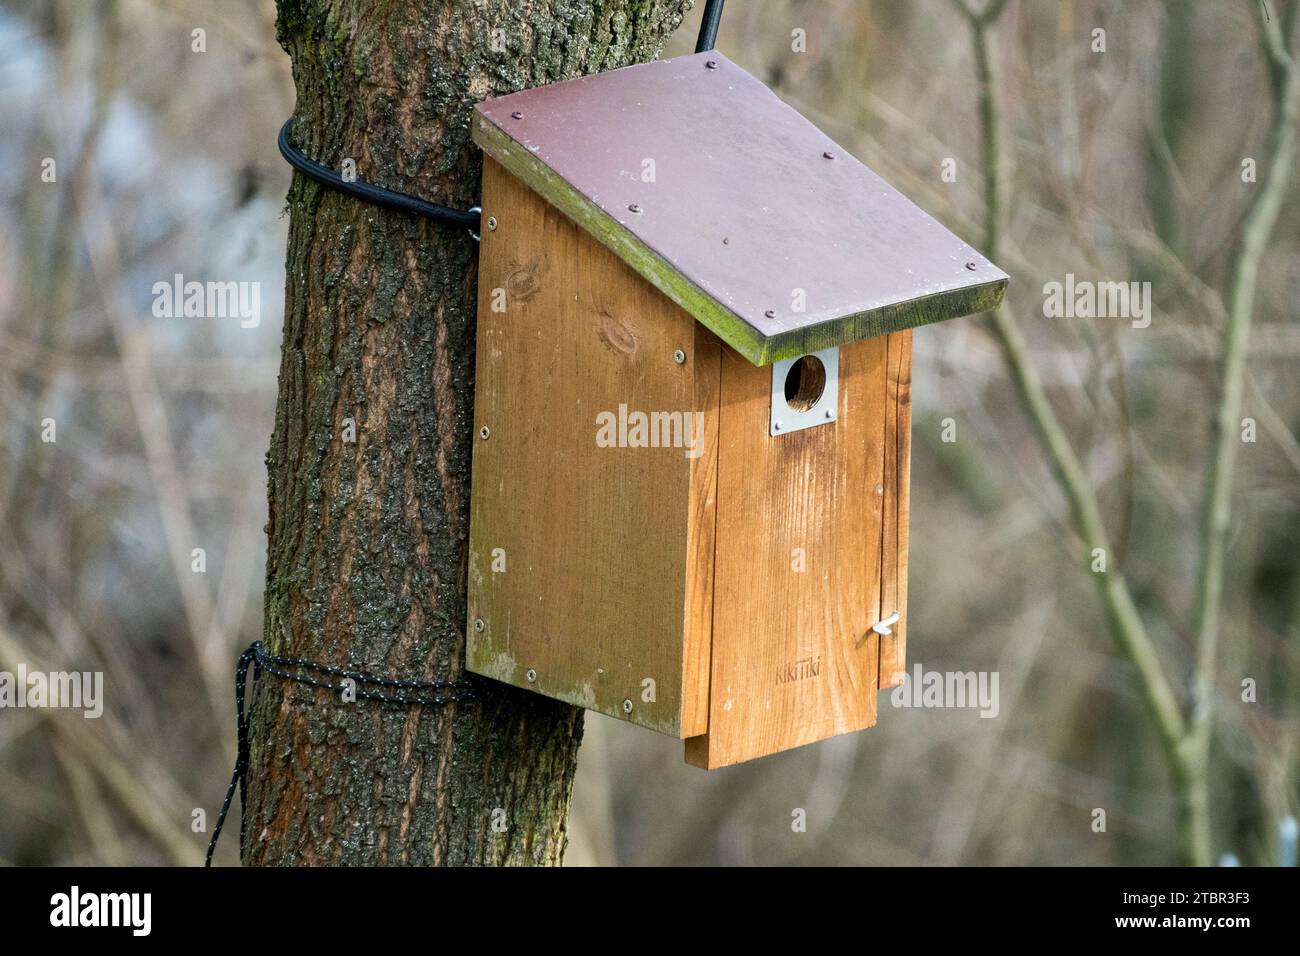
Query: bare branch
point(1125, 622)
point(1256, 230)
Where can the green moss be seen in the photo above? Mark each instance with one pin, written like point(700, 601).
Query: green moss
point(744, 338)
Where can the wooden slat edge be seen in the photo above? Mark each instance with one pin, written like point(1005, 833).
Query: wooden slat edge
point(706, 358)
point(898, 444)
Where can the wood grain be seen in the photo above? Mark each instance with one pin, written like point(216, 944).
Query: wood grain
point(702, 537)
point(598, 596)
point(794, 659)
point(897, 477)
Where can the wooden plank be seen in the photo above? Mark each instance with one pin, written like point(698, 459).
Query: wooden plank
point(724, 198)
point(701, 536)
point(594, 594)
point(897, 479)
point(794, 659)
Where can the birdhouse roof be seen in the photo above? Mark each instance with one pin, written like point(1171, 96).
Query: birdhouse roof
point(736, 207)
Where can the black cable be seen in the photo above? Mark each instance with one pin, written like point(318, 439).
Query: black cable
point(709, 26)
point(402, 202)
point(405, 692)
point(388, 198)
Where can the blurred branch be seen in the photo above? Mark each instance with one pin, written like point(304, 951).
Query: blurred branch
point(1256, 231)
point(977, 19)
point(1211, 301)
point(123, 780)
point(99, 827)
point(1186, 742)
point(103, 373)
point(151, 416)
point(1126, 624)
point(53, 266)
point(1276, 428)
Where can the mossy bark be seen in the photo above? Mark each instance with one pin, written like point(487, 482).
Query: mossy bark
point(367, 538)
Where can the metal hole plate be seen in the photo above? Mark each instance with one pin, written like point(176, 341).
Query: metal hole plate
point(785, 419)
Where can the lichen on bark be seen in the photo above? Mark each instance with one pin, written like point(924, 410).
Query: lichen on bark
point(367, 539)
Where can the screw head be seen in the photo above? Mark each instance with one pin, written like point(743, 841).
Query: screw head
point(726, 241)
point(492, 222)
point(971, 266)
point(710, 64)
point(830, 413)
point(770, 313)
point(776, 426)
point(627, 705)
point(485, 433)
point(828, 155)
point(516, 115)
point(679, 357)
point(633, 207)
point(531, 675)
point(478, 624)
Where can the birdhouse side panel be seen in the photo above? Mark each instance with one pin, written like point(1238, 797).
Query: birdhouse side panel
point(582, 509)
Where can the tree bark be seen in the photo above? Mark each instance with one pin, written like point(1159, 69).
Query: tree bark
point(367, 538)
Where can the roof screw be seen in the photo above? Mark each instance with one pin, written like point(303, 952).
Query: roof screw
point(627, 705)
point(830, 413)
point(711, 64)
point(485, 433)
point(531, 676)
point(492, 222)
point(633, 207)
point(828, 155)
point(478, 625)
point(770, 313)
point(679, 357)
point(726, 241)
point(970, 266)
point(516, 115)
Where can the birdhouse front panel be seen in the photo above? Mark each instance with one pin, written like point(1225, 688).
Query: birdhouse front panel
point(692, 408)
point(811, 532)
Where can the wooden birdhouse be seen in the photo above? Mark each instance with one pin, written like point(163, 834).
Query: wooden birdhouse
point(692, 411)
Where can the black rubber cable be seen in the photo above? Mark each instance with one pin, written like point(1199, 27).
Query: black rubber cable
point(366, 192)
point(709, 26)
point(402, 202)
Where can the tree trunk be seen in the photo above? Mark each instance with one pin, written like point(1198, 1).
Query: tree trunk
point(367, 551)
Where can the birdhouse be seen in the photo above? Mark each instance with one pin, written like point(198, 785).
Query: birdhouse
point(692, 409)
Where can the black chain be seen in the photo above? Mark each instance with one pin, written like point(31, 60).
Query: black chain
point(403, 692)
